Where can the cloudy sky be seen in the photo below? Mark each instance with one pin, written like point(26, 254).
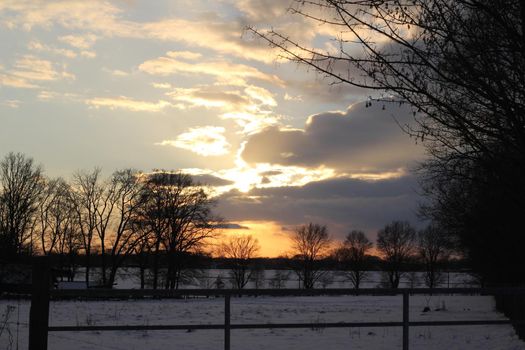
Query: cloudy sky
point(181, 85)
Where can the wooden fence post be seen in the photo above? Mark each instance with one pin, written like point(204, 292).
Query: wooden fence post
point(39, 312)
point(405, 319)
point(227, 322)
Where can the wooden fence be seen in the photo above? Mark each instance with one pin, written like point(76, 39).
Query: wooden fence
point(41, 295)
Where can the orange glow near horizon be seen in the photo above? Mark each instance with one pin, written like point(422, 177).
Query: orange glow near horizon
point(273, 239)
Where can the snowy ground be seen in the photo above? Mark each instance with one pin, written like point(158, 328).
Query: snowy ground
point(128, 278)
point(265, 310)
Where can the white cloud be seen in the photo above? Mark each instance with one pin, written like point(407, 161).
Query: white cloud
point(185, 55)
point(252, 122)
point(260, 94)
point(250, 107)
point(288, 97)
point(127, 103)
point(116, 72)
point(205, 141)
point(165, 66)
point(29, 70)
point(16, 82)
point(105, 19)
point(32, 68)
point(161, 85)
point(88, 54)
point(223, 35)
point(46, 95)
point(209, 96)
point(218, 34)
point(38, 46)
point(82, 42)
point(11, 103)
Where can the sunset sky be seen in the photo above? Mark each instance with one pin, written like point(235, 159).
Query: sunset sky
point(180, 85)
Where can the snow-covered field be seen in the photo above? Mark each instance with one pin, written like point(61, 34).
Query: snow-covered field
point(128, 278)
point(265, 310)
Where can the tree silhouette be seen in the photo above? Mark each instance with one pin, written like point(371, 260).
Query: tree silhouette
point(310, 243)
point(21, 184)
point(128, 192)
point(434, 248)
point(352, 255)
point(460, 64)
point(87, 196)
point(177, 212)
point(239, 250)
point(396, 242)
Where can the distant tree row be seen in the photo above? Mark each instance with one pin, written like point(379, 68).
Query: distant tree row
point(161, 213)
point(162, 217)
point(398, 245)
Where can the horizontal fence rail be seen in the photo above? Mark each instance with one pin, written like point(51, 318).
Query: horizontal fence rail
point(41, 294)
point(177, 293)
point(405, 323)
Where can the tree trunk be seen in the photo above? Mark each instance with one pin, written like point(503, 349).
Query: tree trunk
point(87, 269)
point(142, 279)
point(156, 266)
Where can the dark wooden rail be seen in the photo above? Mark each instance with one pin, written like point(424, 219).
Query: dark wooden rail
point(41, 296)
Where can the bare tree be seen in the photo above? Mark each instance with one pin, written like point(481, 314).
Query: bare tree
point(279, 279)
point(310, 243)
point(105, 200)
point(87, 196)
point(142, 250)
point(70, 242)
point(127, 190)
point(48, 236)
point(459, 64)
point(258, 276)
point(239, 250)
point(396, 243)
point(108, 210)
point(434, 249)
point(54, 217)
point(152, 221)
point(352, 255)
point(178, 212)
point(21, 183)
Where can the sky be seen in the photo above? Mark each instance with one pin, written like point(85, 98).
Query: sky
point(181, 85)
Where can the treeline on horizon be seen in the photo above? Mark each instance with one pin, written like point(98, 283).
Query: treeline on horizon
point(414, 271)
point(164, 220)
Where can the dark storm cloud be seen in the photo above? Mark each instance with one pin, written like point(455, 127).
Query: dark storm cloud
point(231, 226)
point(358, 140)
point(342, 204)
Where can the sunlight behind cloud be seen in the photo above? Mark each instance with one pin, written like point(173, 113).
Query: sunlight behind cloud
point(205, 141)
point(252, 122)
point(263, 175)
